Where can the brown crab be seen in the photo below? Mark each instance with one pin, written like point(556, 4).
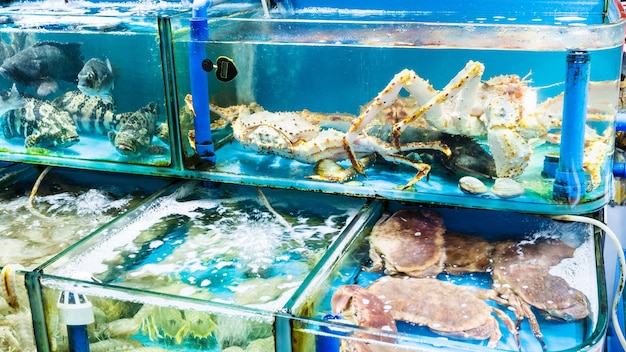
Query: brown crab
point(465, 253)
point(521, 277)
point(444, 308)
point(521, 269)
point(409, 241)
point(366, 310)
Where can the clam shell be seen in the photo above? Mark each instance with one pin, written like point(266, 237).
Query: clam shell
point(507, 188)
point(472, 185)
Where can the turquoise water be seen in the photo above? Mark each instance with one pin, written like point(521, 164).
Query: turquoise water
point(290, 66)
point(228, 239)
point(329, 73)
point(343, 77)
point(136, 61)
point(528, 12)
point(352, 267)
point(219, 247)
point(134, 56)
point(66, 207)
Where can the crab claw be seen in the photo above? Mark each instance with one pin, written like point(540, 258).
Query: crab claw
point(365, 308)
point(358, 167)
point(329, 170)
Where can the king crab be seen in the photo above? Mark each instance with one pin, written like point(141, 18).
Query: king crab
point(291, 135)
point(503, 108)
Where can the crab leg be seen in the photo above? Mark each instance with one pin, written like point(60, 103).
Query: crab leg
point(387, 152)
point(520, 309)
point(464, 87)
point(385, 98)
point(510, 325)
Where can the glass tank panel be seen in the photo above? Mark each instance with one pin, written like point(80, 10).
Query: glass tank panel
point(234, 247)
point(126, 319)
point(485, 11)
point(471, 276)
point(44, 212)
point(483, 100)
point(85, 82)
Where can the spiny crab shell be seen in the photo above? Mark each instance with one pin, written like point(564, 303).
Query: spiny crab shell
point(504, 109)
point(274, 138)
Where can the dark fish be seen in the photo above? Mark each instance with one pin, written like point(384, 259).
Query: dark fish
point(15, 42)
point(96, 79)
point(91, 115)
point(37, 121)
point(43, 63)
point(135, 134)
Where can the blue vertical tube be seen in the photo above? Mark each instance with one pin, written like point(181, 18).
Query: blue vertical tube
point(199, 32)
point(619, 169)
point(328, 343)
point(77, 338)
point(620, 121)
point(569, 179)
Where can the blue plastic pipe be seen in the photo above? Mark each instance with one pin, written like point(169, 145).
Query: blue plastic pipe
point(569, 179)
point(199, 33)
point(619, 170)
point(328, 343)
point(620, 122)
point(77, 338)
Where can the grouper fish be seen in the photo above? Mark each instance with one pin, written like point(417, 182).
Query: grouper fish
point(41, 64)
point(92, 115)
point(96, 79)
point(36, 120)
point(134, 137)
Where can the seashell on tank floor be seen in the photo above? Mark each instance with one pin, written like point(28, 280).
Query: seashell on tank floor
point(507, 188)
point(472, 185)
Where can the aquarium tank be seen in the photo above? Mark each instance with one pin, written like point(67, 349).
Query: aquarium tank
point(454, 103)
point(303, 129)
point(87, 84)
point(196, 269)
point(45, 210)
point(466, 270)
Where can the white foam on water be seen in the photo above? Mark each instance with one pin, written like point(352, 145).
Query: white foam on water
point(92, 202)
point(236, 235)
point(80, 15)
point(108, 248)
point(54, 223)
point(580, 270)
point(102, 8)
point(570, 19)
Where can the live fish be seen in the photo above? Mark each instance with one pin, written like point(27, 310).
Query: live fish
point(135, 134)
point(15, 42)
point(96, 79)
point(41, 64)
point(37, 121)
point(91, 115)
